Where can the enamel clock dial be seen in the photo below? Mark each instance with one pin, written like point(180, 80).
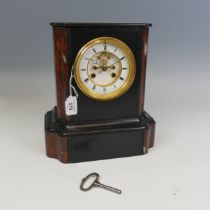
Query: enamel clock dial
point(104, 68)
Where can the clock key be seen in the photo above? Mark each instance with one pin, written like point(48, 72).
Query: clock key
point(96, 183)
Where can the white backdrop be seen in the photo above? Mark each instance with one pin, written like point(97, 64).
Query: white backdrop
point(173, 175)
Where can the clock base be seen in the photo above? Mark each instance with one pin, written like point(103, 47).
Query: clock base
point(79, 142)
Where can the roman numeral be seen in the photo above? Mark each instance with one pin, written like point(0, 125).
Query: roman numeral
point(94, 87)
point(86, 80)
point(121, 78)
point(83, 69)
point(115, 86)
point(105, 47)
point(124, 68)
point(94, 50)
point(122, 58)
point(104, 89)
point(115, 50)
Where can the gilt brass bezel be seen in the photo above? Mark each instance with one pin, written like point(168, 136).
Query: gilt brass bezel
point(131, 69)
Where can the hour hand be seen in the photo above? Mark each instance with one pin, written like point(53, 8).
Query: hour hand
point(111, 66)
point(97, 67)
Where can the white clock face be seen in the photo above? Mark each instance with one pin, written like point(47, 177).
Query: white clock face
point(105, 68)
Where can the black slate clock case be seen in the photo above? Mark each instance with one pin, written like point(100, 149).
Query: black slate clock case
point(101, 129)
point(127, 104)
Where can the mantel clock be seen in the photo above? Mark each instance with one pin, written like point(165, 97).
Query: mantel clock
point(100, 83)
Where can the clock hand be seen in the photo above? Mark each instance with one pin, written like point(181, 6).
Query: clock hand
point(110, 66)
point(102, 68)
point(97, 67)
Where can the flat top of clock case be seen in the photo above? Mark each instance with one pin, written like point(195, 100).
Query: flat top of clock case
point(63, 24)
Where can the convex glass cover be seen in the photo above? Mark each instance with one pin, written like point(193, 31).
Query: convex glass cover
point(104, 68)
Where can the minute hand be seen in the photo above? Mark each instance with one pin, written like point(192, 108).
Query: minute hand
point(112, 64)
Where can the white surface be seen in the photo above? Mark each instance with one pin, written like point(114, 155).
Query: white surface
point(174, 175)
